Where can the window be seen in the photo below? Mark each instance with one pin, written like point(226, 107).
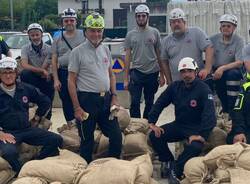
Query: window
point(159, 22)
point(120, 18)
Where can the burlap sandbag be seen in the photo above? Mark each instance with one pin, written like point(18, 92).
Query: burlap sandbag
point(145, 170)
point(63, 168)
point(135, 145)
point(195, 170)
point(107, 172)
point(30, 180)
point(71, 139)
point(244, 159)
point(185, 181)
point(28, 152)
point(153, 181)
point(123, 118)
point(211, 158)
point(222, 175)
point(137, 125)
point(239, 176)
point(97, 137)
point(4, 164)
point(103, 147)
point(216, 138)
point(6, 175)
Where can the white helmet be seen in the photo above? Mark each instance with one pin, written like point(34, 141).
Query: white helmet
point(187, 63)
point(229, 18)
point(142, 8)
point(8, 62)
point(69, 13)
point(35, 26)
point(177, 13)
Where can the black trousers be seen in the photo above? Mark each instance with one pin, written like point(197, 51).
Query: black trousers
point(32, 136)
point(173, 133)
point(146, 83)
point(98, 108)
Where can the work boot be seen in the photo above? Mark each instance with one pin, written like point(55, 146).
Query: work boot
point(172, 179)
point(165, 169)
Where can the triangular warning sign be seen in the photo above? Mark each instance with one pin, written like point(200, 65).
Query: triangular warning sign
point(117, 65)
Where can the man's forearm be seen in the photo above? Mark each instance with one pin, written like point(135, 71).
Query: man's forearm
point(209, 52)
point(54, 67)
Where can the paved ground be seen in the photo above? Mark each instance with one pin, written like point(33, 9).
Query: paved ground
point(166, 116)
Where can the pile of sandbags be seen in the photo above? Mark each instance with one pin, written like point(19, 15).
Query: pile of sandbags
point(224, 164)
point(134, 133)
point(134, 142)
point(111, 170)
point(6, 173)
point(63, 168)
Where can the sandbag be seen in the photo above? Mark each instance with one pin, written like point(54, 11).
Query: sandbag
point(145, 169)
point(239, 176)
point(109, 171)
point(153, 181)
point(6, 175)
point(97, 137)
point(103, 147)
point(63, 168)
point(28, 152)
point(30, 180)
point(135, 145)
point(4, 164)
point(244, 159)
point(195, 170)
point(233, 150)
point(71, 139)
point(222, 175)
point(123, 118)
point(185, 181)
point(216, 138)
point(137, 125)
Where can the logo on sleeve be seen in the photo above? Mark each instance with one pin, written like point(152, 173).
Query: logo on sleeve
point(210, 97)
point(193, 103)
point(25, 99)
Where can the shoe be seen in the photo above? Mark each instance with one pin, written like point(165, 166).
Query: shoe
point(172, 179)
point(165, 169)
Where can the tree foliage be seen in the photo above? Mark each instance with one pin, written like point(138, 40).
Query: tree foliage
point(26, 12)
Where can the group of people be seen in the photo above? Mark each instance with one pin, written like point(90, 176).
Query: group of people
point(78, 65)
point(192, 82)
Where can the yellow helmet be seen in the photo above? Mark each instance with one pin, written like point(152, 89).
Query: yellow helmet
point(94, 20)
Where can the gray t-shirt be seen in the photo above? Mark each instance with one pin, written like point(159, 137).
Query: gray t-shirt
point(33, 57)
point(92, 67)
point(191, 44)
point(62, 50)
point(246, 53)
point(226, 53)
point(143, 44)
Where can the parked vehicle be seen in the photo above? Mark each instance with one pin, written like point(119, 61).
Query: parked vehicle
point(16, 41)
point(7, 34)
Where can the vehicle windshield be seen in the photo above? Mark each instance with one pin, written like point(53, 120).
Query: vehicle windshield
point(17, 41)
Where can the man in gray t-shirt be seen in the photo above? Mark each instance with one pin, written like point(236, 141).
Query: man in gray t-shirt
point(227, 62)
point(185, 42)
point(142, 45)
point(246, 57)
point(61, 49)
point(36, 63)
point(92, 89)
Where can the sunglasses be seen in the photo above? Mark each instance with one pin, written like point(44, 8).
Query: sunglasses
point(69, 20)
point(141, 15)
